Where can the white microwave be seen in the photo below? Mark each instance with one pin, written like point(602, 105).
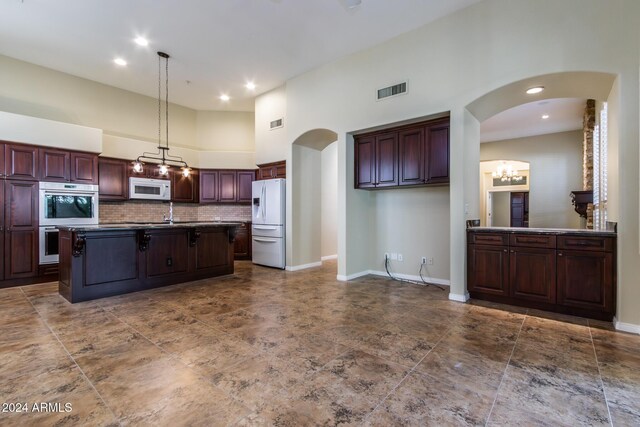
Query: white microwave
point(149, 189)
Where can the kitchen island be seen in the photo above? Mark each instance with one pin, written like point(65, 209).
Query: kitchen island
point(563, 270)
point(112, 259)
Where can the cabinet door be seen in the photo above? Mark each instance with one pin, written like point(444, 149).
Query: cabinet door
point(54, 165)
point(2, 231)
point(387, 160)
point(227, 189)
point(242, 242)
point(208, 186)
point(488, 269)
point(21, 235)
point(411, 146)
point(280, 170)
point(3, 167)
point(365, 158)
point(84, 168)
point(21, 161)
point(244, 182)
point(585, 280)
point(437, 154)
point(184, 189)
point(532, 274)
point(112, 178)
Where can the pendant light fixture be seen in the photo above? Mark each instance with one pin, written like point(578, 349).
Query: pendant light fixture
point(162, 158)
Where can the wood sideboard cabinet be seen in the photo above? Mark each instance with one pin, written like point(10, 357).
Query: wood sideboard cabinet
point(562, 271)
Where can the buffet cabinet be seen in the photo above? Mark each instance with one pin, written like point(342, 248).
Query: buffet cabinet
point(566, 272)
point(412, 155)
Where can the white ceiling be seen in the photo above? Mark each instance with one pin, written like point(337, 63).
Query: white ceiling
point(565, 114)
point(216, 45)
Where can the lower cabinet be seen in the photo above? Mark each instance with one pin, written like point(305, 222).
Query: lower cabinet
point(242, 244)
point(20, 229)
point(544, 270)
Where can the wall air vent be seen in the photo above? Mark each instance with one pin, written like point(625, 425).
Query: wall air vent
point(394, 90)
point(276, 124)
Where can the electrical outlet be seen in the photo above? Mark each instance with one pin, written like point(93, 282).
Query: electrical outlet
point(430, 261)
point(216, 218)
point(400, 258)
point(424, 260)
point(394, 256)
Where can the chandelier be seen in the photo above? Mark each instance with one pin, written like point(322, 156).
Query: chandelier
point(506, 172)
point(162, 158)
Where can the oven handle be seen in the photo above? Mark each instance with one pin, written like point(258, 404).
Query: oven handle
point(69, 193)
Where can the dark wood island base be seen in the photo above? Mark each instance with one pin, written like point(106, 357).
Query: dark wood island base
point(107, 260)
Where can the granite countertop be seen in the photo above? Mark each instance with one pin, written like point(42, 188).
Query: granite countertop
point(151, 225)
point(581, 231)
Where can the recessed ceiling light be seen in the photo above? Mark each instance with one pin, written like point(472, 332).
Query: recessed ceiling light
point(141, 41)
point(121, 62)
point(545, 116)
point(534, 90)
point(250, 85)
point(224, 97)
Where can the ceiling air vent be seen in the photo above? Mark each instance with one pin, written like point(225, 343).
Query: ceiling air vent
point(389, 91)
point(276, 124)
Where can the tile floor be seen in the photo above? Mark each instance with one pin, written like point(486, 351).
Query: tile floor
point(267, 347)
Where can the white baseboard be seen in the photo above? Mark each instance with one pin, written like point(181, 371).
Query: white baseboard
point(303, 266)
point(328, 257)
point(343, 278)
point(412, 277)
point(626, 327)
point(459, 297)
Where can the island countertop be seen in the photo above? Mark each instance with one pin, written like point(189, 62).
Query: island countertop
point(558, 231)
point(149, 225)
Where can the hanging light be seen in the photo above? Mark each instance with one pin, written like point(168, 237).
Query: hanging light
point(162, 158)
point(506, 172)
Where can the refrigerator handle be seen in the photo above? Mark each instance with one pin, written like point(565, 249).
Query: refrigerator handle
point(264, 201)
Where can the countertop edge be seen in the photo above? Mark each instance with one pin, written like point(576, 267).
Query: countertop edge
point(557, 231)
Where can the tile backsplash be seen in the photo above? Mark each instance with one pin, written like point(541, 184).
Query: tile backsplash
point(152, 211)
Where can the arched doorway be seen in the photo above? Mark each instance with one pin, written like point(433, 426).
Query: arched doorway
point(314, 185)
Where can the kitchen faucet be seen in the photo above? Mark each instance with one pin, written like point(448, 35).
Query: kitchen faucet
point(164, 216)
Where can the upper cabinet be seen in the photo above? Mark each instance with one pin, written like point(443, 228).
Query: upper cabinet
point(84, 168)
point(21, 161)
point(272, 170)
point(184, 189)
point(54, 165)
point(416, 154)
point(112, 179)
point(226, 186)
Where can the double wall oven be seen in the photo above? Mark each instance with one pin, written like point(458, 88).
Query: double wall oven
point(64, 204)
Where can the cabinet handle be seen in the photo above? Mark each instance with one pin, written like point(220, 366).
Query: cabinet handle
point(505, 250)
point(560, 254)
point(512, 251)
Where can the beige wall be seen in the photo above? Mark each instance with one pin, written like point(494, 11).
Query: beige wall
point(555, 168)
point(127, 121)
point(329, 196)
point(450, 63)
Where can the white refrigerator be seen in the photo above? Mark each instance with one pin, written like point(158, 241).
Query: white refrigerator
point(267, 229)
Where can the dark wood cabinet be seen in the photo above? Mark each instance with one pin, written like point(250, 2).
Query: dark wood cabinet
point(519, 208)
point(227, 189)
point(365, 167)
point(209, 183)
point(242, 243)
point(573, 274)
point(532, 274)
point(21, 161)
point(84, 168)
point(3, 166)
point(490, 267)
point(586, 273)
point(271, 170)
point(244, 186)
point(411, 145)
point(54, 165)
point(112, 179)
point(21, 229)
point(416, 154)
point(437, 152)
point(226, 186)
point(149, 170)
point(184, 189)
